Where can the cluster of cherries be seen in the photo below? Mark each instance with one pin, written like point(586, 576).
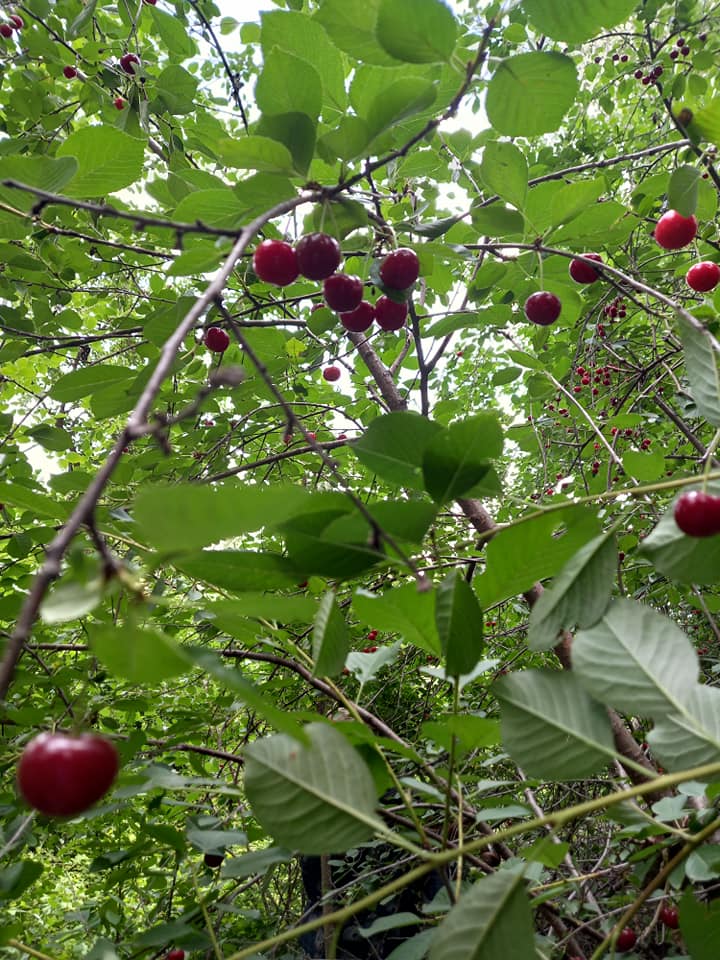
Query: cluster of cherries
point(14, 22)
point(672, 232)
point(317, 256)
point(129, 63)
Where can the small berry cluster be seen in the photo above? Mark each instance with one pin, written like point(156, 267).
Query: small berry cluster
point(652, 76)
point(14, 22)
point(317, 256)
point(616, 309)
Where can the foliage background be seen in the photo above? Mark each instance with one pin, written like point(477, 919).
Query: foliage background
point(199, 554)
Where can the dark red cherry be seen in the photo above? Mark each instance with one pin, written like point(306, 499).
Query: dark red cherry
point(343, 292)
point(275, 261)
point(542, 308)
point(703, 276)
point(217, 340)
point(583, 272)
point(390, 314)
point(400, 269)
point(318, 255)
point(697, 513)
point(674, 231)
point(360, 319)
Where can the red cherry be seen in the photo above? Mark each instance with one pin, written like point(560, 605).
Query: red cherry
point(17, 21)
point(400, 269)
point(150, 3)
point(342, 436)
point(626, 940)
point(210, 859)
point(359, 319)
point(703, 276)
point(129, 62)
point(697, 513)
point(583, 272)
point(674, 231)
point(331, 374)
point(62, 775)
point(318, 256)
point(311, 435)
point(216, 340)
point(389, 314)
point(343, 292)
point(70, 72)
point(275, 261)
point(119, 103)
point(175, 955)
point(669, 915)
point(542, 308)
point(287, 438)
point(6, 30)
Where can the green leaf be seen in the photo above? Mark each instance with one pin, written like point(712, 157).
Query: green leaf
point(107, 160)
point(530, 94)
point(255, 862)
point(26, 499)
point(239, 571)
point(574, 199)
point(647, 465)
point(579, 594)
point(459, 622)
point(185, 516)
point(214, 208)
point(316, 799)
point(681, 558)
point(393, 445)
point(400, 100)
point(83, 19)
point(255, 153)
point(137, 654)
point(15, 879)
point(45, 173)
point(351, 27)
point(173, 33)
point(176, 90)
point(636, 660)
point(338, 218)
point(307, 39)
point(701, 363)
point(700, 926)
point(87, 381)
point(416, 31)
point(296, 131)
point(690, 738)
point(275, 95)
point(504, 170)
point(458, 457)
point(571, 22)
point(261, 606)
point(402, 610)
point(69, 601)
point(551, 727)
point(706, 121)
point(330, 639)
point(533, 550)
point(491, 921)
point(51, 438)
point(683, 189)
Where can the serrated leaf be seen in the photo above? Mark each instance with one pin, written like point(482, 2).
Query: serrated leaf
point(504, 170)
point(403, 610)
point(255, 153)
point(690, 738)
point(459, 456)
point(416, 31)
point(393, 445)
point(137, 654)
point(69, 601)
point(571, 22)
point(318, 798)
point(533, 550)
point(491, 921)
point(579, 594)
point(459, 622)
point(185, 516)
point(551, 726)
point(701, 363)
point(636, 660)
point(683, 189)
point(107, 159)
point(531, 93)
point(330, 639)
